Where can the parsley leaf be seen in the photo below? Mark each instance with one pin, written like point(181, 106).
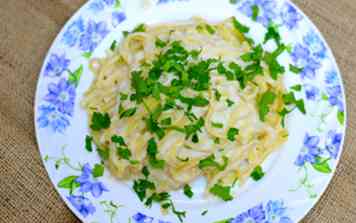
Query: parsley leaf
point(231, 134)
point(255, 12)
point(100, 121)
point(297, 87)
point(217, 125)
point(166, 121)
point(98, 170)
point(113, 45)
point(210, 29)
point(289, 99)
point(118, 139)
point(145, 171)
point(88, 143)
point(229, 102)
point(266, 100)
point(295, 69)
point(272, 34)
point(217, 95)
point(188, 191)
point(241, 28)
point(141, 186)
point(152, 152)
point(128, 113)
point(283, 115)
point(257, 173)
point(103, 153)
point(223, 192)
point(160, 43)
point(210, 162)
point(196, 101)
point(193, 129)
point(124, 153)
point(139, 28)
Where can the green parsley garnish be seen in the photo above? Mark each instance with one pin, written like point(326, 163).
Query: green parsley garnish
point(266, 100)
point(272, 34)
point(100, 121)
point(204, 212)
point(139, 28)
point(233, 1)
point(88, 143)
point(223, 192)
point(152, 152)
point(124, 153)
point(217, 125)
point(217, 95)
point(141, 186)
point(296, 87)
point(128, 113)
point(98, 170)
point(229, 102)
point(210, 29)
point(118, 139)
point(217, 140)
point(283, 115)
point(210, 162)
point(145, 171)
point(160, 43)
point(103, 153)
point(241, 28)
point(188, 191)
point(255, 12)
point(295, 69)
point(257, 173)
point(123, 96)
point(166, 121)
point(231, 134)
point(289, 99)
point(113, 45)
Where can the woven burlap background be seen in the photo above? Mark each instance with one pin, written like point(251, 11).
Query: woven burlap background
point(28, 27)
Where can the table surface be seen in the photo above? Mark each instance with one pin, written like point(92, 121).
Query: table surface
point(27, 29)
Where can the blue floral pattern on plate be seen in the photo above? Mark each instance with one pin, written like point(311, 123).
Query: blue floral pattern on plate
point(60, 79)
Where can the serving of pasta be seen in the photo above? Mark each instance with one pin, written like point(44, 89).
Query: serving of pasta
point(174, 102)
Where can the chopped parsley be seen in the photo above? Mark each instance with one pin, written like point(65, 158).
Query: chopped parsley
point(118, 139)
point(145, 172)
point(124, 153)
point(272, 34)
point(240, 27)
point(217, 125)
point(283, 113)
point(152, 152)
point(141, 186)
point(217, 140)
point(210, 29)
point(255, 12)
point(183, 160)
point(257, 173)
point(98, 170)
point(232, 133)
point(289, 99)
point(100, 121)
point(188, 191)
point(113, 45)
point(88, 143)
point(160, 43)
point(264, 103)
point(103, 153)
point(139, 28)
point(204, 212)
point(297, 87)
point(229, 102)
point(217, 95)
point(166, 121)
point(210, 162)
point(295, 69)
point(128, 113)
point(223, 192)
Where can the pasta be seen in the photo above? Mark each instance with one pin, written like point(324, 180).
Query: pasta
point(177, 106)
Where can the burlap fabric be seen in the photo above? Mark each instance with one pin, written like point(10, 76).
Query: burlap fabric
point(28, 27)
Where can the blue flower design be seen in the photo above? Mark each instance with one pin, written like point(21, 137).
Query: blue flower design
point(290, 16)
point(276, 212)
point(310, 150)
point(315, 44)
point(56, 65)
point(331, 78)
point(88, 184)
point(267, 10)
point(73, 33)
point(62, 95)
point(254, 215)
point(82, 204)
point(117, 18)
point(141, 218)
point(335, 97)
point(167, 1)
point(93, 35)
point(311, 92)
point(333, 143)
point(302, 57)
point(51, 117)
point(100, 5)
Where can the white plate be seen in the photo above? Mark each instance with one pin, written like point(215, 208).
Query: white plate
point(295, 177)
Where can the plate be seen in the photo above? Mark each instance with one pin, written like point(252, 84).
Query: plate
point(296, 176)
